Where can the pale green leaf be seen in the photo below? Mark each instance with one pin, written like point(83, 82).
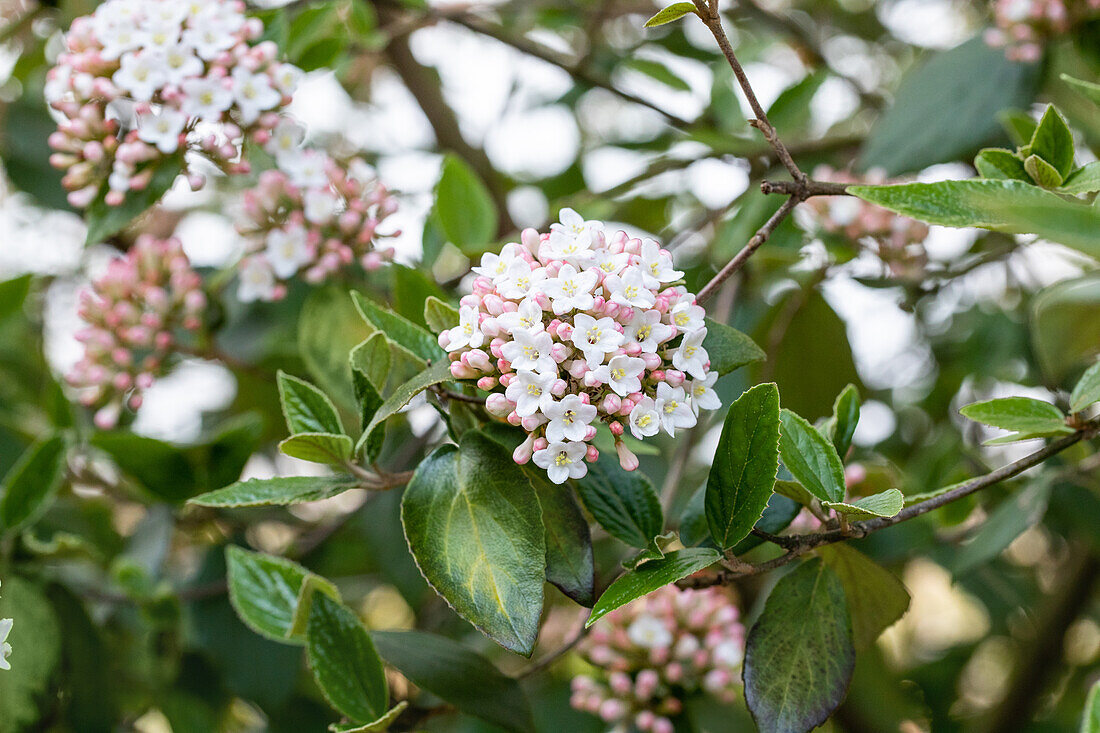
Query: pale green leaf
point(278, 491)
point(876, 598)
point(669, 14)
point(465, 208)
point(306, 408)
point(810, 458)
point(32, 482)
point(438, 372)
point(1022, 414)
point(728, 348)
point(651, 576)
point(1087, 390)
point(884, 504)
point(327, 448)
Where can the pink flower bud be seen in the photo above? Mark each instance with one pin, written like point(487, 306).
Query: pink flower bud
point(497, 404)
point(611, 404)
point(487, 383)
point(522, 454)
point(674, 378)
point(592, 455)
point(627, 459)
point(616, 428)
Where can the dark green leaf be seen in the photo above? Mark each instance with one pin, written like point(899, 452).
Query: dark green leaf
point(623, 502)
point(651, 576)
point(777, 516)
point(799, 656)
point(439, 372)
point(264, 591)
point(457, 675)
point(745, 463)
point(105, 221)
point(1065, 326)
point(728, 348)
point(35, 641)
point(811, 458)
point(329, 327)
point(32, 482)
point(318, 448)
point(794, 491)
point(306, 408)
point(370, 367)
point(1087, 390)
point(465, 209)
point(1007, 522)
point(884, 504)
point(347, 668)
point(876, 598)
point(12, 294)
point(845, 419)
point(412, 289)
point(1053, 142)
point(1000, 163)
point(569, 563)
point(1022, 414)
point(474, 526)
point(669, 14)
point(399, 329)
point(278, 491)
point(790, 113)
point(383, 723)
point(974, 81)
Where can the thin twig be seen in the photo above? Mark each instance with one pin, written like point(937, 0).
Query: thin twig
point(555, 655)
point(747, 251)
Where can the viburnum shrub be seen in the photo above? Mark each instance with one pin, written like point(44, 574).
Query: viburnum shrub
point(574, 328)
point(617, 434)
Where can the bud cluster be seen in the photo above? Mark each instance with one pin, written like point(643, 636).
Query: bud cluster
point(141, 81)
point(312, 215)
point(656, 651)
point(132, 313)
point(5, 647)
point(572, 328)
point(1024, 26)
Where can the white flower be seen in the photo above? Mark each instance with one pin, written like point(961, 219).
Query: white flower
point(573, 224)
point(530, 351)
point(649, 632)
point(844, 210)
point(562, 461)
point(180, 62)
point(287, 77)
point(576, 250)
point(5, 647)
point(595, 338)
point(162, 130)
point(495, 266)
point(527, 318)
point(647, 330)
point(687, 316)
point(674, 408)
point(622, 373)
point(530, 391)
point(257, 280)
point(254, 94)
point(164, 13)
point(307, 169)
point(141, 75)
point(630, 289)
point(611, 263)
point(287, 251)
point(119, 38)
point(703, 397)
point(656, 266)
point(319, 205)
point(519, 279)
point(209, 36)
point(644, 420)
point(161, 35)
point(285, 138)
point(728, 654)
point(569, 418)
point(691, 357)
point(205, 98)
point(570, 290)
point(467, 333)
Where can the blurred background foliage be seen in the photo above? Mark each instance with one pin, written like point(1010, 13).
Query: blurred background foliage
point(119, 592)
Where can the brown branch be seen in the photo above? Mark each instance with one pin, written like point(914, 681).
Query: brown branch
point(805, 189)
point(747, 251)
point(555, 655)
point(799, 545)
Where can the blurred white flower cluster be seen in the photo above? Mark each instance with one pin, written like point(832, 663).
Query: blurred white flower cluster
point(5, 647)
point(571, 328)
point(1024, 26)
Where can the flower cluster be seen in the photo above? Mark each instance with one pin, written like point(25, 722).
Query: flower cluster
point(5, 647)
point(142, 81)
point(1024, 26)
point(572, 327)
point(132, 314)
point(657, 650)
point(310, 214)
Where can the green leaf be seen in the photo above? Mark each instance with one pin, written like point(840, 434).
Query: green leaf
point(1065, 326)
point(799, 656)
point(344, 662)
point(1019, 125)
point(745, 463)
point(465, 208)
point(623, 502)
point(1053, 142)
point(278, 491)
point(790, 112)
point(657, 548)
point(876, 598)
point(370, 366)
point(845, 419)
point(1042, 172)
point(1022, 414)
point(1013, 207)
point(32, 482)
point(794, 491)
point(972, 80)
point(569, 561)
point(651, 576)
point(439, 372)
point(811, 458)
point(457, 675)
point(1090, 720)
point(35, 640)
point(327, 448)
point(439, 316)
point(671, 13)
point(1000, 163)
point(658, 72)
point(884, 504)
point(264, 591)
point(1085, 179)
point(411, 290)
point(329, 327)
point(105, 221)
point(474, 526)
point(311, 584)
point(1005, 523)
point(778, 515)
point(1086, 88)
point(306, 408)
point(399, 329)
point(375, 726)
point(728, 348)
point(1087, 390)
point(12, 294)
